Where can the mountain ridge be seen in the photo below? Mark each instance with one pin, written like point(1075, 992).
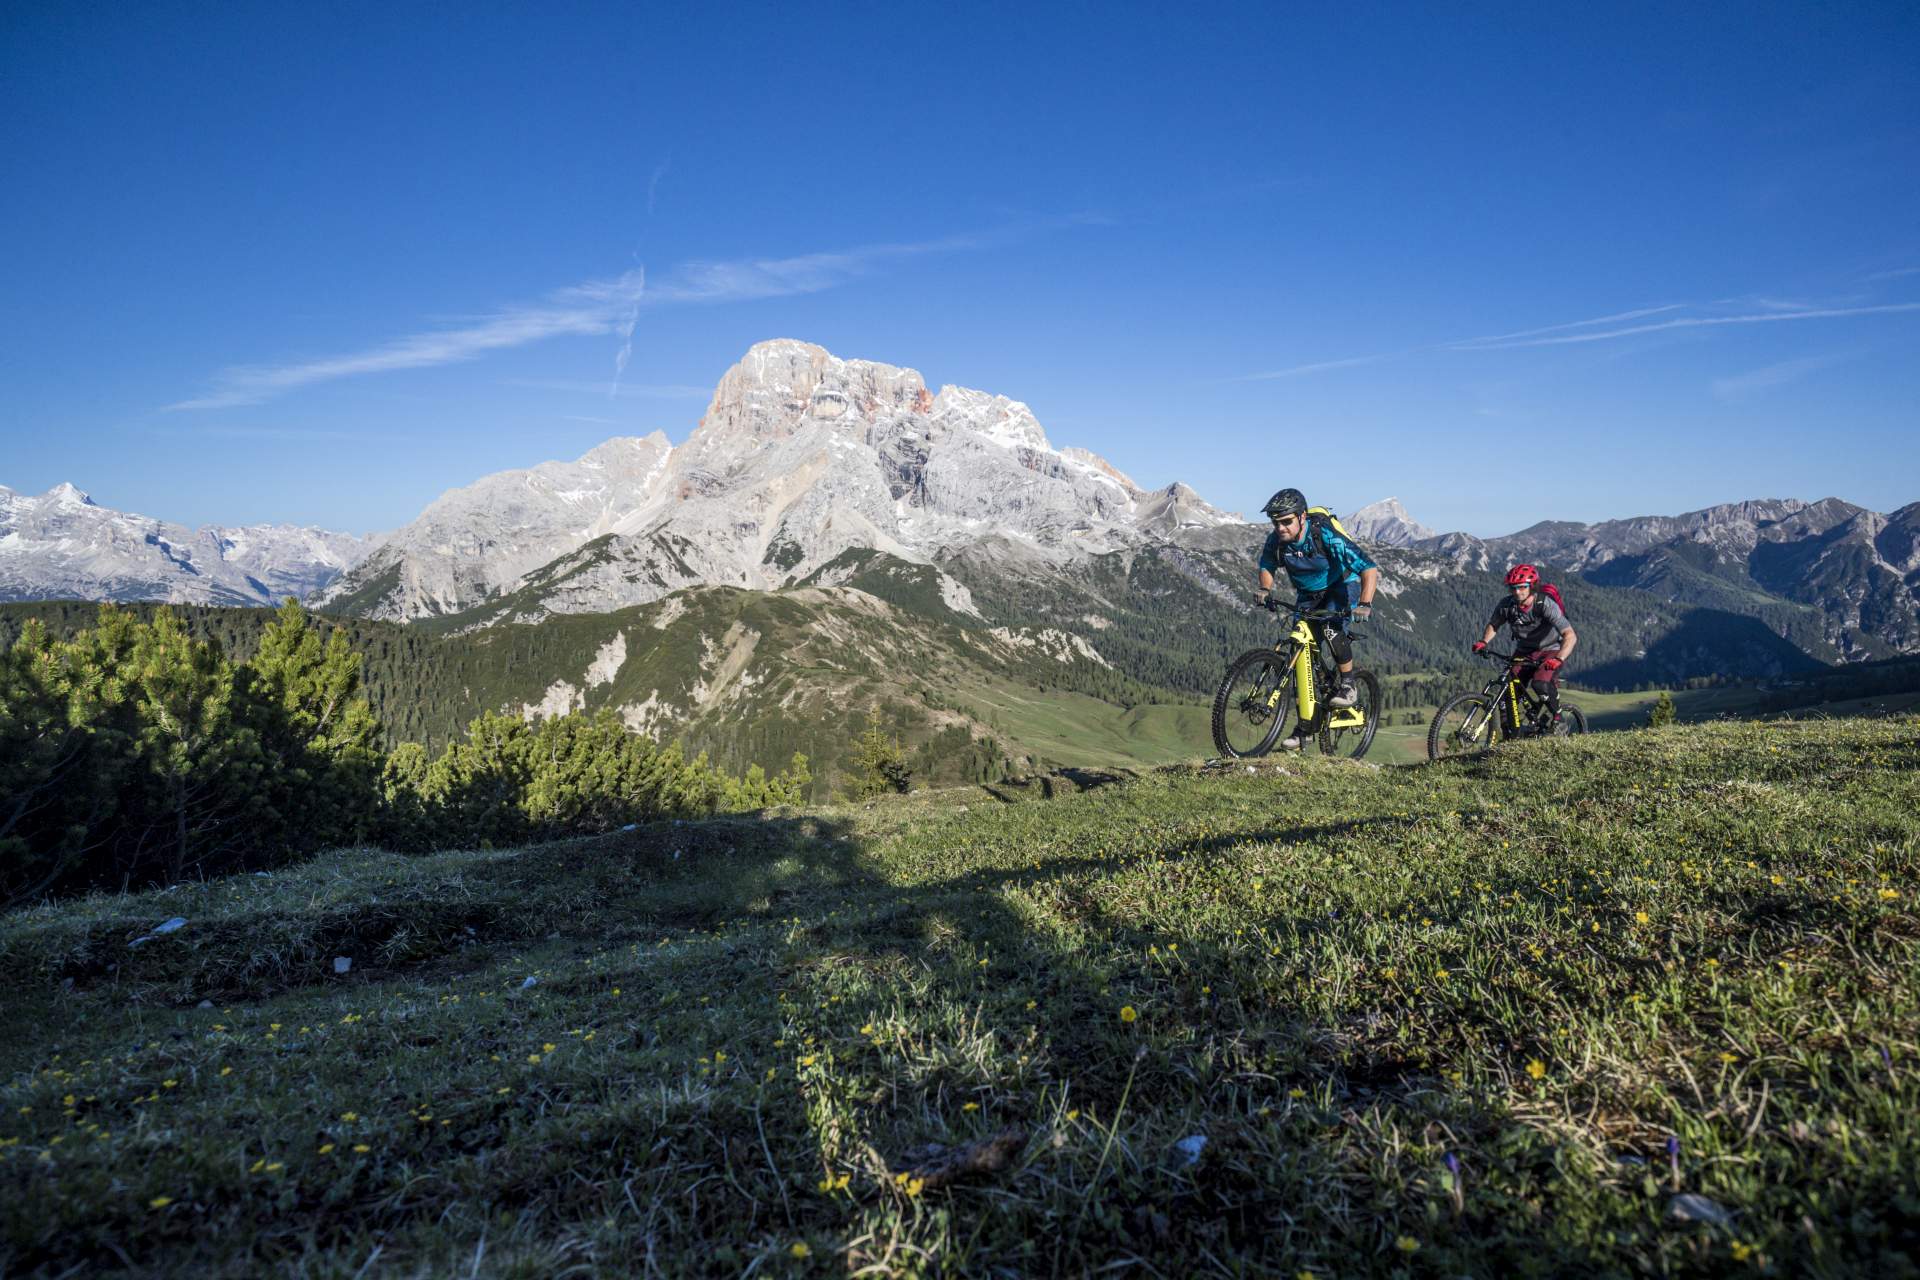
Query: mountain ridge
point(63, 544)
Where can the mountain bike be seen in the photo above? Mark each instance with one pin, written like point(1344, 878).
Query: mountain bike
point(1265, 689)
point(1506, 708)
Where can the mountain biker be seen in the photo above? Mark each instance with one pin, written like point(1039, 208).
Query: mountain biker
point(1327, 572)
point(1543, 639)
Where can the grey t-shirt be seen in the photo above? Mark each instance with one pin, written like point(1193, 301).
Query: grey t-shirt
point(1538, 626)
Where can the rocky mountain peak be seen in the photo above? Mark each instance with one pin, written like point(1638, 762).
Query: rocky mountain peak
point(1386, 521)
point(780, 387)
point(67, 495)
point(801, 456)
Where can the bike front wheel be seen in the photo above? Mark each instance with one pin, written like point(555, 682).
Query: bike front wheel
point(1462, 725)
point(1353, 740)
point(1572, 720)
point(1252, 704)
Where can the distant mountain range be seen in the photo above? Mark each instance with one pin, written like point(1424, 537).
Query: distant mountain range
point(63, 545)
point(809, 471)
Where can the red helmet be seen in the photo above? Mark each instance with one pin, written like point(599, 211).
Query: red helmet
point(1522, 575)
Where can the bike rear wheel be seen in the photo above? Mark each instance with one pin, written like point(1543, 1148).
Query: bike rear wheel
point(1572, 720)
point(1462, 725)
point(1353, 742)
point(1253, 704)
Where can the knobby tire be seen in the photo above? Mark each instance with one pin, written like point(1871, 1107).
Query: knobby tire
point(1239, 675)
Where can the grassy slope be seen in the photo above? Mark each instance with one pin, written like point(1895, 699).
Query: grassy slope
point(1546, 962)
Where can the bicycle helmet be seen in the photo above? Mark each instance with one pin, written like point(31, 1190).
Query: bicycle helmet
point(1522, 575)
point(1287, 502)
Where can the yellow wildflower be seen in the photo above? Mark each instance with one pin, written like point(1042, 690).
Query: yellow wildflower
point(159, 1202)
point(1537, 1069)
point(1127, 1013)
point(800, 1249)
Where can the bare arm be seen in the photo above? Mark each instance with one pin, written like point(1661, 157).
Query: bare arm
point(1369, 581)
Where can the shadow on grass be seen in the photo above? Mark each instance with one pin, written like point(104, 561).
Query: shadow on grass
point(1263, 1195)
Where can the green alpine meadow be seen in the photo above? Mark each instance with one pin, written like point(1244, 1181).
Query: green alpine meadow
point(1634, 1003)
point(1123, 642)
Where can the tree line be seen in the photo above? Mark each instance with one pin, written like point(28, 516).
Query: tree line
point(132, 753)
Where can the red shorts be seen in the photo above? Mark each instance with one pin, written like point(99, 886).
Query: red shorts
point(1527, 666)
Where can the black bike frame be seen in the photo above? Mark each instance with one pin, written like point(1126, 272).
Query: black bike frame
point(1506, 690)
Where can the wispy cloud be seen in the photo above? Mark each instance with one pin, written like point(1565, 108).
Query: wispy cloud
point(1319, 366)
point(1773, 315)
point(597, 308)
point(226, 432)
point(1668, 316)
point(625, 391)
point(1741, 385)
point(653, 183)
point(1617, 318)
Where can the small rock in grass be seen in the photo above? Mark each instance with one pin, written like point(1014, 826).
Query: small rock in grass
point(1190, 1148)
point(531, 980)
point(204, 1004)
point(1688, 1207)
point(341, 964)
point(936, 1165)
point(631, 826)
point(168, 926)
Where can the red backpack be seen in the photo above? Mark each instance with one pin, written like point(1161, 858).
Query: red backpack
point(1548, 589)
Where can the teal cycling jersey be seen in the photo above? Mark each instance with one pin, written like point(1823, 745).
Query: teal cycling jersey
point(1315, 561)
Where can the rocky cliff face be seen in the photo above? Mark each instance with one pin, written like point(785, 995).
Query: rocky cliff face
point(63, 545)
point(800, 456)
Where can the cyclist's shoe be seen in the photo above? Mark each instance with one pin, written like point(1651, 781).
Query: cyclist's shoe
point(1345, 696)
point(1293, 743)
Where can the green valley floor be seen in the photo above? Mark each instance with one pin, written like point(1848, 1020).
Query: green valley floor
point(1641, 1003)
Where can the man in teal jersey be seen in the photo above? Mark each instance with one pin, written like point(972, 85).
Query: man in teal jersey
point(1327, 572)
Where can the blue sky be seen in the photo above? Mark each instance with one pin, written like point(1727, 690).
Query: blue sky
point(1509, 263)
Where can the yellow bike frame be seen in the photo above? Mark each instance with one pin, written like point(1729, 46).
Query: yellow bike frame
point(1301, 638)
